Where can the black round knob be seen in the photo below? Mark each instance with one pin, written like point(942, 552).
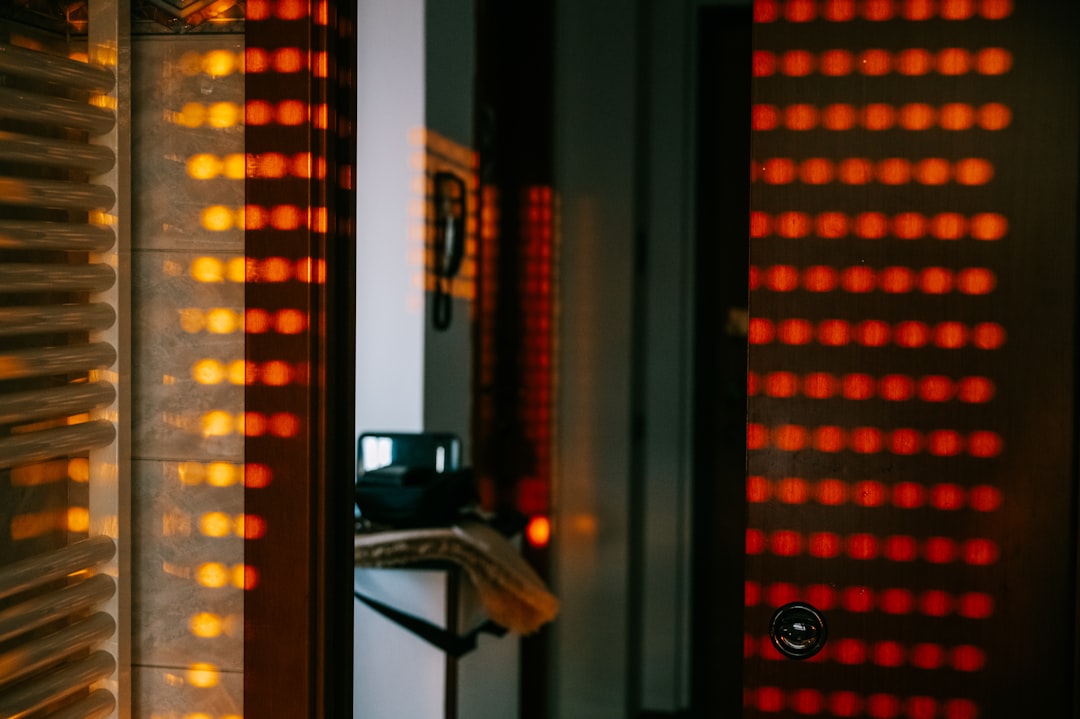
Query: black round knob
point(798, 630)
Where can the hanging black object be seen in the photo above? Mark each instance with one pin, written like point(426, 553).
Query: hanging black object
point(450, 209)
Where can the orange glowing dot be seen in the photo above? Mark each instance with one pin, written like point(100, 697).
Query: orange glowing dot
point(288, 59)
point(917, 9)
point(957, 9)
point(894, 171)
point(755, 541)
point(797, 63)
point(752, 382)
point(825, 545)
point(831, 225)
point(914, 61)
point(975, 390)
point(800, 10)
point(829, 439)
point(253, 424)
point(896, 387)
point(984, 444)
point(936, 388)
point(778, 171)
point(275, 269)
point(766, 11)
point(867, 440)
point(932, 171)
point(975, 281)
point(995, 9)
point(858, 279)
point(764, 63)
point(290, 322)
point(759, 224)
point(834, 333)
point(793, 490)
point(257, 9)
point(256, 59)
point(858, 386)
point(956, 116)
point(947, 497)
point(872, 333)
point(909, 226)
point(819, 385)
point(855, 171)
point(794, 332)
point(757, 436)
point(905, 442)
point(994, 116)
point(782, 278)
point(878, 10)
point(292, 9)
point(256, 321)
point(948, 226)
point(764, 117)
point(820, 279)
point(800, 117)
point(255, 217)
point(757, 489)
point(831, 492)
point(863, 546)
point(874, 62)
point(256, 476)
point(292, 113)
point(912, 334)
point(950, 335)
point(916, 116)
point(985, 498)
point(974, 171)
point(311, 271)
point(789, 437)
point(761, 331)
point(271, 165)
point(816, 171)
point(276, 373)
point(936, 280)
point(251, 526)
point(988, 335)
point(320, 64)
point(284, 424)
point(792, 224)
point(871, 225)
point(285, 217)
point(975, 605)
point(839, 117)
point(836, 63)
point(878, 116)
point(896, 280)
point(538, 531)
point(258, 112)
point(954, 61)
point(839, 10)
point(786, 543)
point(781, 384)
point(900, 547)
point(993, 61)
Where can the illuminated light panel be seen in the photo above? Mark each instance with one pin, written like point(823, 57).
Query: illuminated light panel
point(933, 171)
point(893, 280)
point(877, 333)
point(984, 226)
point(982, 444)
point(877, 62)
point(863, 599)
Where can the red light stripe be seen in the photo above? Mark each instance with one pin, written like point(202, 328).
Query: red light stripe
point(860, 599)
point(944, 496)
point(877, 333)
point(846, 703)
point(933, 171)
point(915, 117)
point(863, 546)
point(886, 653)
point(892, 280)
point(985, 226)
point(876, 62)
point(859, 386)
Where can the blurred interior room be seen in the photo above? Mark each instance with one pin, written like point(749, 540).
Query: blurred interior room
point(747, 329)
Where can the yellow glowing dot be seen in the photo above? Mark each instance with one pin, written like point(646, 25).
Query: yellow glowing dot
point(220, 474)
point(217, 218)
point(235, 168)
point(223, 114)
point(208, 371)
point(212, 574)
point(217, 424)
point(208, 269)
point(205, 624)
point(219, 62)
point(203, 166)
point(215, 524)
point(221, 321)
point(240, 576)
point(190, 63)
point(192, 320)
point(191, 115)
point(191, 473)
point(203, 675)
point(78, 470)
point(236, 269)
point(238, 371)
point(78, 519)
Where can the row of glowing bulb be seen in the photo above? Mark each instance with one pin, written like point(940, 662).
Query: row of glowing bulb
point(977, 551)
point(36, 524)
point(220, 115)
point(219, 423)
point(273, 373)
point(879, 10)
point(876, 62)
point(880, 116)
point(860, 600)
point(903, 441)
point(909, 334)
point(983, 226)
point(221, 524)
point(219, 218)
point(870, 493)
point(223, 474)
point(266, 165)
point(844, 703)
point(884, 653)
point(255, 269)
point(863, 386)
point(862, 279)
point(931, 171)
point(223, 321)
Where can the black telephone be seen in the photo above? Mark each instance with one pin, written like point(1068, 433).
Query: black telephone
point(450, 211)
